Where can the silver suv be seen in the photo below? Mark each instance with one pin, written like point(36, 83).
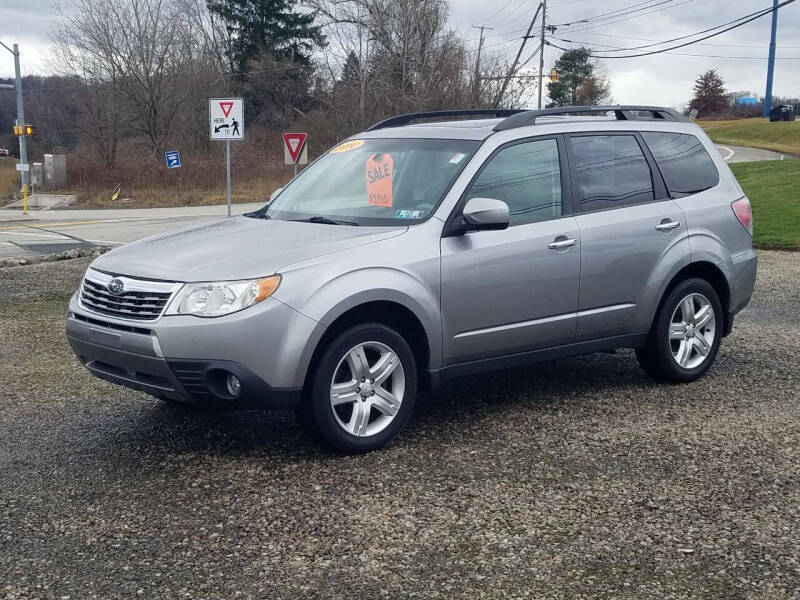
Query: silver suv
point(413, 253)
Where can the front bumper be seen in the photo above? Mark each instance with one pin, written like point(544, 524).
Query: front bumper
point(136, 355)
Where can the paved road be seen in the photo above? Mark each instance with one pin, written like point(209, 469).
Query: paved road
point(105, 226)
point(745, 154)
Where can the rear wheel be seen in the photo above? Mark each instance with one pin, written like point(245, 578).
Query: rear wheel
point(686, 334)
point(363, 389)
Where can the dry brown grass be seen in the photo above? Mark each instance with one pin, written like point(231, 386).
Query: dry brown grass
point(9, 180)
point(257, 169)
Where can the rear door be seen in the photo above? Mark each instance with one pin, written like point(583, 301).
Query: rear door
point(517, 289)
point(633, 236)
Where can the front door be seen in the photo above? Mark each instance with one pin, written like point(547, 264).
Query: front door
point(513, 290)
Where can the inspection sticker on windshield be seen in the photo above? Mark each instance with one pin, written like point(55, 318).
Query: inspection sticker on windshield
point(457, 158)
point(380, 171)
point(347, 146)
point(409, 214)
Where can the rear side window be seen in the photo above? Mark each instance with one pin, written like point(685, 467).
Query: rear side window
point(610, 172)
point(686, 166)
point(525, 176)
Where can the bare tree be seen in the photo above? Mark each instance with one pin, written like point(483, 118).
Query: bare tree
point(141, 50)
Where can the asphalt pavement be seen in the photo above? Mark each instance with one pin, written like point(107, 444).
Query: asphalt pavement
point(576, 479)
point(109, 227)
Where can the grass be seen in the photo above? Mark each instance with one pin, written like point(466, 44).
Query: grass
point(9, 179)
point(757, 133)
point(773, 188)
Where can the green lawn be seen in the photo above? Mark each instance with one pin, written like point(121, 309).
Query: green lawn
point(773, 187)
point(757, 133)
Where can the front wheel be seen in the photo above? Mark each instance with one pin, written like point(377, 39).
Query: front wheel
point(364, 388)
point(686, 334)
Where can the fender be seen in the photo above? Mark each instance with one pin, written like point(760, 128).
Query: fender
point(360, 286)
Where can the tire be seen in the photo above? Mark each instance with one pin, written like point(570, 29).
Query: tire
point(681, 349)
point(362, 413)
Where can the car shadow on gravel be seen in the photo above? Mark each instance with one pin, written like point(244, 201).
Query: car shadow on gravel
point(124, 430)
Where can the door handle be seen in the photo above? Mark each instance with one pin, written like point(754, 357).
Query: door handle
point(667, 225)
point(561, 244)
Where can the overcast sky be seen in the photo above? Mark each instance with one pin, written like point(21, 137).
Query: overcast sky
point(663, 79)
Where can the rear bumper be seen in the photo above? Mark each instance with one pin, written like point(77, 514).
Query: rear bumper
point(743, 281)
point(133, 358)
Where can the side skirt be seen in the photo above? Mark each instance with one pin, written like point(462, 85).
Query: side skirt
point(439, 376)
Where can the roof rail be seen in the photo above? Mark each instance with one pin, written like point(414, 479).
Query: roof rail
point(621, 112)
point(400, 120)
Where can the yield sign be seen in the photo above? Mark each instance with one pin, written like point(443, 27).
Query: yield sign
point(226, 107)
point(294, 143)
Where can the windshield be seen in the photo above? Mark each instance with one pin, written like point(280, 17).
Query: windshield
point(374, 182)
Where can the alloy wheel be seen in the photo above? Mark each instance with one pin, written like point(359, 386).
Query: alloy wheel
point(692, 331)
point(367, 389)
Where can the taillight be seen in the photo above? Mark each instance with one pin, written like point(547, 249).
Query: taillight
point(743, 212)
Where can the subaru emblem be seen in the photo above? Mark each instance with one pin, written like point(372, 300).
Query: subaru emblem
point(116, 286)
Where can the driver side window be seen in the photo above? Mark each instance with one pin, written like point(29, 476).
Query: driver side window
point(527, 177)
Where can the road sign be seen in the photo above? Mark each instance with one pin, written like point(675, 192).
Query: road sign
point(173, 159)
point(295, 149)
point(693, 114)
point(226, 118)
point(25, 167)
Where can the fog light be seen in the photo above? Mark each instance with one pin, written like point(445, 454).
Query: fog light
point(234, 385)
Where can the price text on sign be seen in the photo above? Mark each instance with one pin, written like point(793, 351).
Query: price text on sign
point(380, 171)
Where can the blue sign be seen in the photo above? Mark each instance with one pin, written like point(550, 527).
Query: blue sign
point(173, 159)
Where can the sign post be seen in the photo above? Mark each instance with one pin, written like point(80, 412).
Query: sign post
point(295, 149)
point(226, 122)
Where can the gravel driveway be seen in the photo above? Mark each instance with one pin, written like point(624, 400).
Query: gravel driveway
point(576, 479)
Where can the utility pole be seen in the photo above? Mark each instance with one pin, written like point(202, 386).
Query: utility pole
point(476, 89)
point(771, 63)
point(516, 59)
point(23, 148)
point(541, 53)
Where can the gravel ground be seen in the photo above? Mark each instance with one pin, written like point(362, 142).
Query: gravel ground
point(576, 479)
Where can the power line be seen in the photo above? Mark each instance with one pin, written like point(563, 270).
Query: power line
point(684, 53)
point(627, 18)
point(497, 12)
point(604, 15)
point(640, 39)
point(690, 35)
point(742, 23)
point(513, 68)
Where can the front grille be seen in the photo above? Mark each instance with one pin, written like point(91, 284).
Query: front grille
point(140, 303)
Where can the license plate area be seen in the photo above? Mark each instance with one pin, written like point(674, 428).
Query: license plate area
point(105, 338)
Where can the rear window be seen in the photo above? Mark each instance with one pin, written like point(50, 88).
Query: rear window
point(610, 171)
point(686, 166)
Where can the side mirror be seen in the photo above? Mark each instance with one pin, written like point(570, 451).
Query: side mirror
point(485, 213)
point(274, 194)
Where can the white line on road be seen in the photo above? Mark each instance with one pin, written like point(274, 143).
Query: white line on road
point(729, 150)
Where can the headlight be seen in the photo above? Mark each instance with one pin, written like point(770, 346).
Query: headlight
point(217, 298)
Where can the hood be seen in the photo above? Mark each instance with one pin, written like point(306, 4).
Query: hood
point(234, 248)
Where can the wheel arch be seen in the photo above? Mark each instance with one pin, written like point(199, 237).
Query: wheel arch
point(711, 273)
point(387, 312)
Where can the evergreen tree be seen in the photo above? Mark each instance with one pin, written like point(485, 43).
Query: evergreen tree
point(709, 94)
point(259, 27)
point(574, 67)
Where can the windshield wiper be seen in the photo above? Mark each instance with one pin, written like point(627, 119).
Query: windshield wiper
point(326, 221)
